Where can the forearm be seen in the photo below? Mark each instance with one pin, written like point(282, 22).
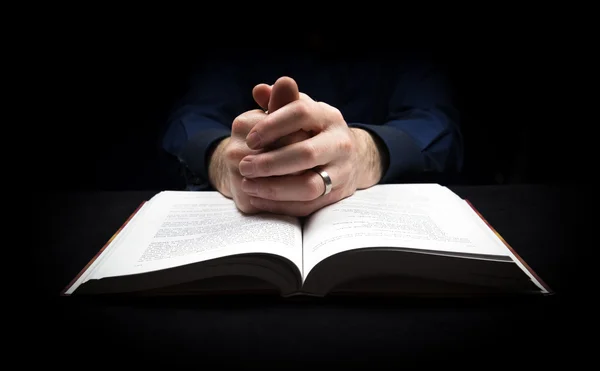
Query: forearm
point(192, 139)
point(217, 170)
point(373, 157)
point(420, 131)
point(421, 142)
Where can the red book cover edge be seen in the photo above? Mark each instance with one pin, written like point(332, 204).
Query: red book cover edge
point(539, 279)
point(63, 292)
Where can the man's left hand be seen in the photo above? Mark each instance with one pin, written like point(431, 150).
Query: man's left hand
point(277, 181)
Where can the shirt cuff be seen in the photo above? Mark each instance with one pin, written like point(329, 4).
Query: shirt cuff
point(404, 156)
point(195, 153)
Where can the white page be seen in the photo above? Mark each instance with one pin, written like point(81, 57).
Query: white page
point(181, 227)
point(419, 216)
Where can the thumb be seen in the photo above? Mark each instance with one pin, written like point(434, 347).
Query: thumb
point(284, 91)
point(261, 94)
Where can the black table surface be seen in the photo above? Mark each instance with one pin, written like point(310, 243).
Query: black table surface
point(546, 224)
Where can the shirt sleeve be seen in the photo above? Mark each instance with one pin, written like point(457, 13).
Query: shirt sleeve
point(421, 132)
point(216, 95)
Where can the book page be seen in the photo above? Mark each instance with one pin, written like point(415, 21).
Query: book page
point(181, 227)
point(415, 216)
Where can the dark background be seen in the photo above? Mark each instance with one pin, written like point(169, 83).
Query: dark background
point(105, 82)
point(112, 82)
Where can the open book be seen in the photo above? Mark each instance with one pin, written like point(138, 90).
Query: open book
point(401, 239)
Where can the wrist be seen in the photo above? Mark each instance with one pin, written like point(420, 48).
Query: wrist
point(217, 168)
point(371, 155)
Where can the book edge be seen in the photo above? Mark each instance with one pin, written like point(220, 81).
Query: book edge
point(97, 255)
point(508, 246)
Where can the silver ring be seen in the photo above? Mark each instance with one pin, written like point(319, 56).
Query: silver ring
point(326, 180)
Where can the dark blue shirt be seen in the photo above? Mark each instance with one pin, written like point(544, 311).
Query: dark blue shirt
point(403, 100)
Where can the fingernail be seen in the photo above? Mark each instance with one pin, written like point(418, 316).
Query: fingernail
point(249, 186)
point(246, 167)
point(253, 140)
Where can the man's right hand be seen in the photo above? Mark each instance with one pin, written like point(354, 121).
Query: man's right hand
point(224, 163)
point(223, 169)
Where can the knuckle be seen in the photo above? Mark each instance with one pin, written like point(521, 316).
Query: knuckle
point(240, 125)
point(230, 155)
point(308, 152)
point(346, 146)
point(325, 106)
point(337, 114)
point(243, 123)
point(234, 154)
point(302, 108)
point(334, 112)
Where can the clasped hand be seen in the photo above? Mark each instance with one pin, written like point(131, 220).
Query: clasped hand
point(270, 156)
